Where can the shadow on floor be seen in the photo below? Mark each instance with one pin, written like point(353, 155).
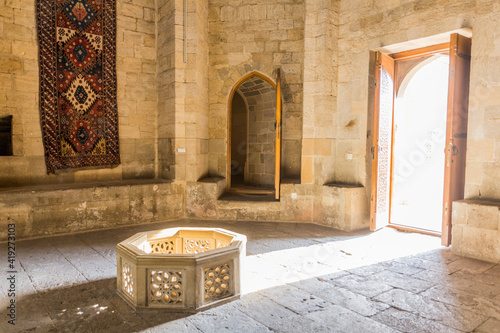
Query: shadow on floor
point(89, 307)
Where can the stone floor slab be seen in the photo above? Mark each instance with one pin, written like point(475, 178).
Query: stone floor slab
point(464, 300)
point(298, 278)
point(365, 286)
point(264, 310)
point(340, 319)
point(226, 319)
point(425, 307)
point(341, 296)
point(402, 281)
point(295, 299)
point(409, 322)
point(489, 326)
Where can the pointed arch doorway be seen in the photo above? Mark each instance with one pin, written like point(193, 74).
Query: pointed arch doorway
point(254, 135)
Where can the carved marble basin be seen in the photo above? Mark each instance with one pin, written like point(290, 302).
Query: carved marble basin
point(180, 269)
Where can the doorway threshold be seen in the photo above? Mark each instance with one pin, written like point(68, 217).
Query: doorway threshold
point(247, 189)
point(405, 228)
point(248, 196)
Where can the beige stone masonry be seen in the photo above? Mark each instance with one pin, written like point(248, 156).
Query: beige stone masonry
point(338, 206)
point(320, 92)
point(476, 229)
point(173, 111)
point(137, 95)
point(256, 36)
point(40, 211)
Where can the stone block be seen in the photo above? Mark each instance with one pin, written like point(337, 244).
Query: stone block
point(491, 177)
point(11, 65)
point(24, 50)
point(298, 210)
point(480, 149)
point(481, 244)
point(258, 214)
point(62, 218)
point(18, 214)
point(459, 213)
point(478, 236)
point(343, 207)
point(133, 37)
point(483, 216)
point(26, 83)
point(142, 208)
point(491, 123)
point(130, 10)
point(307, 170)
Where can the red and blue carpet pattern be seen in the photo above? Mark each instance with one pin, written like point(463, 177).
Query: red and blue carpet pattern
point(77, 53)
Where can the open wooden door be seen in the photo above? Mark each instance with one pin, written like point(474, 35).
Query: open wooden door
point(456, 128)
point(382, 141)
point(277, 159)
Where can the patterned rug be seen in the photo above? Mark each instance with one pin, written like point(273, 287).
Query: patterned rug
point(77, 53)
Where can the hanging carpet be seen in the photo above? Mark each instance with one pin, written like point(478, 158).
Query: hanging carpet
point(78, 109)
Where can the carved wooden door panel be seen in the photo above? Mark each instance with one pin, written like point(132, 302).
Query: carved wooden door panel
point(382, 141)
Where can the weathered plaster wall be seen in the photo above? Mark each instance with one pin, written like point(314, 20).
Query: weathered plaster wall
point(137, 100)
point(255, 36)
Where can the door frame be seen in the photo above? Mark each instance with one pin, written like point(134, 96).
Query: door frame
point(456, 48)
point(456, 128)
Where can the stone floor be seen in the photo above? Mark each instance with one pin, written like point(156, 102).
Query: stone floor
point(298, 278)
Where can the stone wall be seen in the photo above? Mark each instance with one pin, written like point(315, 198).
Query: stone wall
point(40, 211)
point(196, 93)
point(394, 26)
point(336, 206)
point(170, 39)
point(174, 109)
point(183, 93)
point(401, 25)
point(255, 36)
point(137, 96)
point(320, 92)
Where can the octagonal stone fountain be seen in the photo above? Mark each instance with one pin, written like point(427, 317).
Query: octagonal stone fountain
point(180, 269)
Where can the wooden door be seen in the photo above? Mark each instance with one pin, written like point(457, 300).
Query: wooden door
point(456, 128)
point(277, 158)
point(382, 141)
